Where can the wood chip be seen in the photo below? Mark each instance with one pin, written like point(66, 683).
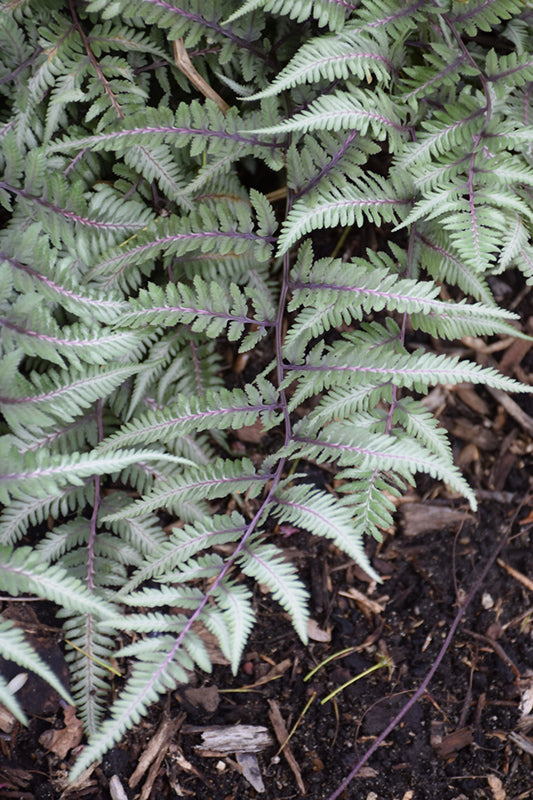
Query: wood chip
point(516, 352)
point(512, 408)
point(482, 437)
point(496, 786)
point(424, 517)
point(282, 735)
point(81, 785)
point(225, 739)
point(455, 741)
point(519, 576)
point(470, 398)
point(362, 599)
point(116, 789)
point(158, 744)
point(522, 742)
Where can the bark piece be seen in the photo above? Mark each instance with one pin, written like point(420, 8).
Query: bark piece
point(423, 517)
point(158, 744)
point(282, 735)
point(453, 742)
point(225, 739)
point(116, 789)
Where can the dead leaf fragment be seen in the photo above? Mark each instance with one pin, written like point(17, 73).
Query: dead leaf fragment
point(7, 720)
point(250, 769)
point(65, 739)
point(362, 600)
point(526, 694)
point(206, 697)
point(316, 633)
point(250, 433)
point(455, 741)
point(496, 787)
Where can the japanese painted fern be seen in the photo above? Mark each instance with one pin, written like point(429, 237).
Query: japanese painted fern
point(133, 254)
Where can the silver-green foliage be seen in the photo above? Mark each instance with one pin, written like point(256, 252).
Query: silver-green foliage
point(133, 256)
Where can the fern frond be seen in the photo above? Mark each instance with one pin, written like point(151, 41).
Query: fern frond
point(14, 647)
point(416, 370)
point(203, 232)
point(325, 12)
point(214, 480)
point(142, 533)
point(89, 652)
point(22, 570)
point(266, 564)
point(186, 542)
point(40, 396)
point(41, 474)
point(75, 344)
point(475, 15)
point(421, 425)
point(370, 197)
point(368, 497)
point(234, 602)
point(207, 307)
point(344, 55)
point(149, 679)
point(322, 515)
point(29, 510)
point(375, 451)
point(218, 409)
point(357, 109)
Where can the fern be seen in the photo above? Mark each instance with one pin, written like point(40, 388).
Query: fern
point(136, 263)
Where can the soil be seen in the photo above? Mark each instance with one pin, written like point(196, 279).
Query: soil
point(470, 735)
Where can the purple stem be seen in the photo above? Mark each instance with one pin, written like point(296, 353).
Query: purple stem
point(250, 528)
point(96, 506)
point(71, 215)
point(488, 111)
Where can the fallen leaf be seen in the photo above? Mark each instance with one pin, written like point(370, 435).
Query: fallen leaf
point(526, 694)
point(453, 742)
point(206, 697)
point(250, 769)
point(316, 633)
point(250, 433)
point(65, 739)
